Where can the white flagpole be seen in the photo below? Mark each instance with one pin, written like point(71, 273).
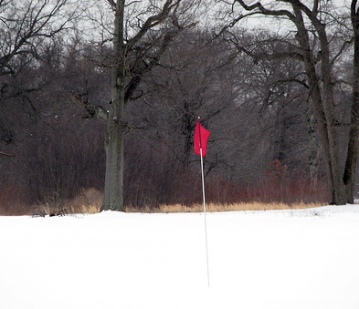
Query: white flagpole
point(204, 215)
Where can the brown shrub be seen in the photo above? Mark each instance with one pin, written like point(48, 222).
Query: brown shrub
point(87, 201)
point(11, 201)
point(211, 207)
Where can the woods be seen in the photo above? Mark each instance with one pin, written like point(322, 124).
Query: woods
point(115, 110)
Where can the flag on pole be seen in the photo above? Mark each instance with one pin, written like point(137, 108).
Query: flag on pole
point(201, 136)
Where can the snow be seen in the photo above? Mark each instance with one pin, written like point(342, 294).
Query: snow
point(264, 259)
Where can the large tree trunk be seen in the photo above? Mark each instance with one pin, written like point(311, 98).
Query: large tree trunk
point(114, 142)
point(323, 102)
point(126, 77)
point(352, 154)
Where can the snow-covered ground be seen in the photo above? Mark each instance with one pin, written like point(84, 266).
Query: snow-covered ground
point(266, 259)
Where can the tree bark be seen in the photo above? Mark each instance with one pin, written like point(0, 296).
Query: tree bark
point(126, 77)
point(353, 144)
point(339, 196)
point(322, 101)
point(115, 135)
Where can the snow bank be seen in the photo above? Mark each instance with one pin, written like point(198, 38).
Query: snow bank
point(258, 259)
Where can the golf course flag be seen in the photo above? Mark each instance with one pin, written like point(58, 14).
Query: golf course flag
point(201, 136)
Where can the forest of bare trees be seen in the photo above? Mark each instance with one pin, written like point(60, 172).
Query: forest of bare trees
point(282, 105)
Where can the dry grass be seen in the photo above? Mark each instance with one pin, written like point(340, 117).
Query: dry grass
point(90, 201)
point(226, 207)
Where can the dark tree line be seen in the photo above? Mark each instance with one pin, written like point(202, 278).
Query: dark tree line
point(254, 120)
point(251, 90)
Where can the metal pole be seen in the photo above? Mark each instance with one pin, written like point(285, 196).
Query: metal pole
point(205, 216)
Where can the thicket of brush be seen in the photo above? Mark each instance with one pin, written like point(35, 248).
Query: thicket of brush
point(186, 196)
point(258, 152)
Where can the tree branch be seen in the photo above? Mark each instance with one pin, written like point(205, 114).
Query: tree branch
point(33, 22)
point(93, 111)
point(6, 154)
point(151, 22)
point(112, 4)
point(141, 67)
point(257, 56)
point(261, 9)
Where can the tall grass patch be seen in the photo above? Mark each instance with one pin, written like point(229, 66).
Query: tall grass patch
point(213, 207)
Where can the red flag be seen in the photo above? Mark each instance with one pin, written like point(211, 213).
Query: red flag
point(201, 136)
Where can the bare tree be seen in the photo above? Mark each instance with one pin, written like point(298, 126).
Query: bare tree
point(25, 28)
point(310, 39)
point(60, 151)
point(139, 40)
point(353, 144)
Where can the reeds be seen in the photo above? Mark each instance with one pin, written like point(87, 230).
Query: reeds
point(211, 207)
point(90, 201)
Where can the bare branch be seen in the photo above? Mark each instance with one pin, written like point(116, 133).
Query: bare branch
point(94, 111)
point(257, 56)
point(25, 26)
point(6, 154)
point(315, 7)
point(261, 9)
point(112, 4)
point(147, 67)
point(152, 21)
point(342, 49)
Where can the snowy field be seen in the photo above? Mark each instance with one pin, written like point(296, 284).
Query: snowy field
point(267, 259)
